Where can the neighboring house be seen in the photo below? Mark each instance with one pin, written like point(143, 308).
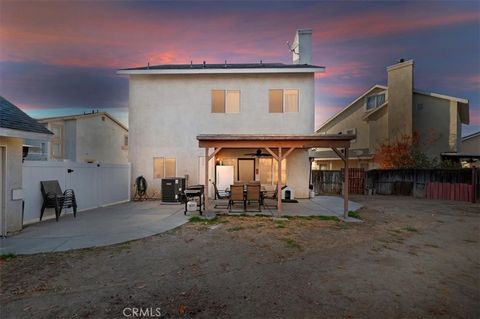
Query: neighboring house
point(90, 137)
point(15, 126)
point(471, 144)
point(386, 113)
point(170, 105)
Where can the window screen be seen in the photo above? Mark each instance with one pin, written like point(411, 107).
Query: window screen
point(170, 167)
point(158, 167)
point(218, 101)
point(291, 100)
point(232, 102)
point(275, 101)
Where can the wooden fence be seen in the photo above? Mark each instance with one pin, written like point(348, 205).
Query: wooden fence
point(447, 184)
point(331, 182)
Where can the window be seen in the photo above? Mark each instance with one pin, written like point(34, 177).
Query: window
point(164, 167)
point(225, 101)
point(125, 140)
point(419, 107)
point(56, 149)
point(375, 101)
point(283, 101)
point(291, 101)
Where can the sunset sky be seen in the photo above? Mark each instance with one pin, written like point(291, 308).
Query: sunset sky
point(61, 57)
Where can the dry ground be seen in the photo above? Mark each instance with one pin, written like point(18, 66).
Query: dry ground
point(409, 259)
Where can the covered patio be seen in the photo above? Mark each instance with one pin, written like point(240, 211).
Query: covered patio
point(279, 147)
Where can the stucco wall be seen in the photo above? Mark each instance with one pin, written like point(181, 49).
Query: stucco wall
point(352, 118)
point(100, 140)
point(471, 146)
point(378, 133)
point(436, 123)
point(13, 208)
point(166, 113)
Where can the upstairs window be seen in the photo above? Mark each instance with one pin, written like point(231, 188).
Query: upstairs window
point(375, 101)
point(225, 101)
point(283, 101)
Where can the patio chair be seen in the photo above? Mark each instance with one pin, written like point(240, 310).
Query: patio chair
point(254, 195)
point(272, 196)
point(54, 198)
point(219, 196)
point(236, 195)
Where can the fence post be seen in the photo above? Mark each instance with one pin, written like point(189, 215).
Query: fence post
point(474, 182)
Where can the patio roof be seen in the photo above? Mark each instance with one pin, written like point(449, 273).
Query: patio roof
point(274, 140)
point(270, 142)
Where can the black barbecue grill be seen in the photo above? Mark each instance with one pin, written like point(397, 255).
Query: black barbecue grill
point(192, 193)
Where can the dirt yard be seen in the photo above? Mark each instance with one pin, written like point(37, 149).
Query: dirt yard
point(409, 259)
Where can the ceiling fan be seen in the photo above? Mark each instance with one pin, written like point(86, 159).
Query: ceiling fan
point(258, 153)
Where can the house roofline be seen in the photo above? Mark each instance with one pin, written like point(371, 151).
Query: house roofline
point(8, 132)
point(442, 96)
point(471, 136)
point(77, 116)
point(464, 114)
point(376, 86)
point(223, 71)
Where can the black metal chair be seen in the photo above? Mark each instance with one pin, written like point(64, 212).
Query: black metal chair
point(54, 198)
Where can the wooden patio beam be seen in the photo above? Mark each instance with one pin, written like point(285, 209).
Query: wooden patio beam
point(218, 149)
point(274, 144)
point(339, 153)
point(271, 153)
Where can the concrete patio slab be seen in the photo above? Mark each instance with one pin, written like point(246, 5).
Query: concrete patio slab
point(134, 220)
point(317, 206)
point(97, 227)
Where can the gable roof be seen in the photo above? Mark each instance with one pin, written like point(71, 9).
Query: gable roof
point(463, 107)
point(226, 68)
point(471, 136)
point(376, 86)
point(16, 123)
point(79, 116)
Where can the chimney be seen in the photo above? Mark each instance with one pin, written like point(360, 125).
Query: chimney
point(302, 47)
point(400, 99)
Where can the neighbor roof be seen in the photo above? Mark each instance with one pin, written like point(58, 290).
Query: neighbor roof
point(206, 68)
point(14, 121)
point(83, 115)
point(463, 107)
point(467, 137)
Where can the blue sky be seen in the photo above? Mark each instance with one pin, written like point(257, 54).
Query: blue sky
point(61, 57)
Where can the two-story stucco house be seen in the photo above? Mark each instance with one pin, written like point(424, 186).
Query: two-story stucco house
point(88, 137)
point(385, 113)
point(170, 105)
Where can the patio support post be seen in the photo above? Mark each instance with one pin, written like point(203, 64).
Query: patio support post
point(279, 183)
point(205, 195)
point(346, 184)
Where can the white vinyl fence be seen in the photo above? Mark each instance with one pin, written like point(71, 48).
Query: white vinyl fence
point(94, 185)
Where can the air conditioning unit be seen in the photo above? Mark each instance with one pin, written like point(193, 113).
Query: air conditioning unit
point(172, 189)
